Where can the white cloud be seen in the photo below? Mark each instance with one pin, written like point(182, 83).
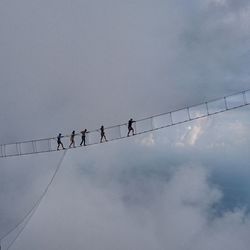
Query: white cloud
point(148, 140)
point(196, 131)
point(189, 135)
point(217, 2)
point(96, 213)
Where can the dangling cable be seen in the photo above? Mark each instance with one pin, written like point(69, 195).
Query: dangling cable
point(34, 208)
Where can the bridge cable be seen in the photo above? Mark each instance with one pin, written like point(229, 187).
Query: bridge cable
point(34, 208)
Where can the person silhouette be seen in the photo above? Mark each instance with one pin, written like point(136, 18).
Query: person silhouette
point(84, 132)
point(130, 127)
point(59, 142)
point(72, 139)
point(103, 134)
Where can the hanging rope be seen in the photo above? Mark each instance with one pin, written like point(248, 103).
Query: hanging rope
point(27, 217)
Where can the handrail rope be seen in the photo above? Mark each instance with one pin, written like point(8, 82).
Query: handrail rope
point(34, 208)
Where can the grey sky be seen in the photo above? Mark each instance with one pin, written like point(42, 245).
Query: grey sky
point(83, 63)
point(68, 65)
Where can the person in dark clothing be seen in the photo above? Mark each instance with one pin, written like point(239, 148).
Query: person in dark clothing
point(130, 127)
point(72, 139)
point(84, 132)
point(103, 134)
point(59, 142)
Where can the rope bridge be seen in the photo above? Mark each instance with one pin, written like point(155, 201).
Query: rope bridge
point(141, 126)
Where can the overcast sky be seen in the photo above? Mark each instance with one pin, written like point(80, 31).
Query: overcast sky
point(68, 65)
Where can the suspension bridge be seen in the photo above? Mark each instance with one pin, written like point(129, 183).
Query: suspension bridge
point(141, 126)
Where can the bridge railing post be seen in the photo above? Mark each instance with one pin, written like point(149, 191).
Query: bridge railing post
point(244, 97)
point(34, 147)
point(49, 145)
point(225, 101)
point(207, 108)
point(171, 118)
point(4, 150)
point(188, 111)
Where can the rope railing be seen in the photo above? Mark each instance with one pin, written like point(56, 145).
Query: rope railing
point(141, 126)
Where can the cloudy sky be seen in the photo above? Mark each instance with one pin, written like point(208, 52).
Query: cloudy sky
point(68, 65)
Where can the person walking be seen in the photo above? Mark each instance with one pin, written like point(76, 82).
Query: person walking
point(72, 139)
point(130, 127)
point(84, 132)
point(103, 136)
point(59, 142)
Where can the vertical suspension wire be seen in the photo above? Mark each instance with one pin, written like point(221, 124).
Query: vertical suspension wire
point(171, 118)
point(207, 108)
point(119, 132)
point(34, 146)
point(49, 145)
point(188, 112)
point(4, 150)
point(19, 150)
point(151, 123)
point(225, 101)
point(244, 97)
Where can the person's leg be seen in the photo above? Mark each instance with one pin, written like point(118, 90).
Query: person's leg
point(58, 146)
point(130, 129)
